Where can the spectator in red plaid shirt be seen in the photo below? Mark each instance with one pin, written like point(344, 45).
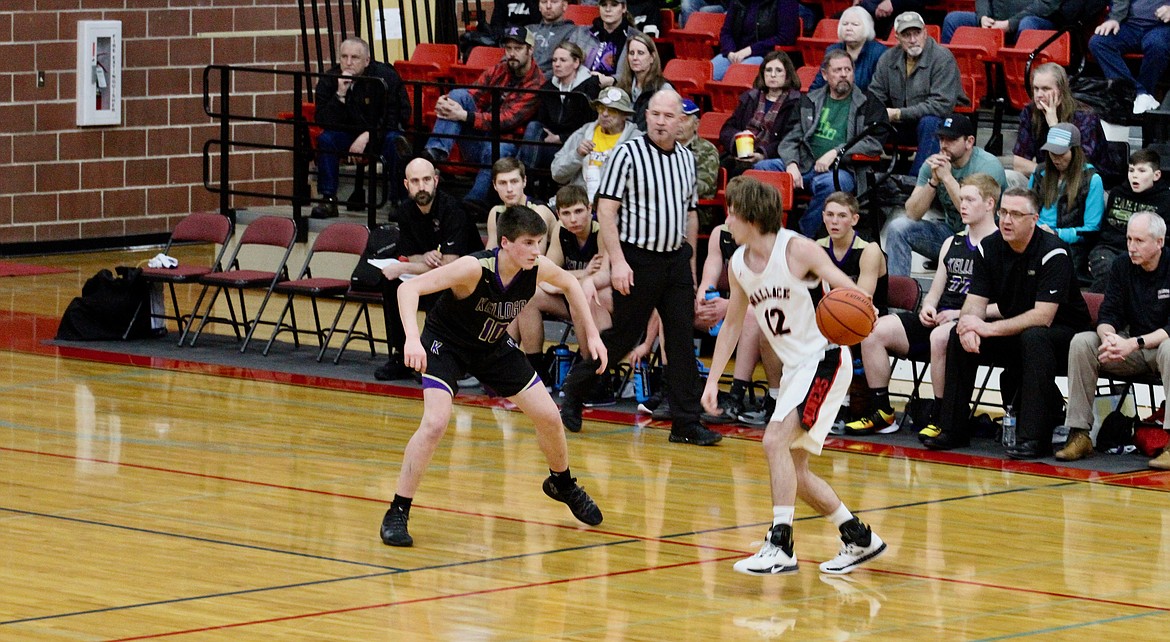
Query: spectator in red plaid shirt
point(468, 112)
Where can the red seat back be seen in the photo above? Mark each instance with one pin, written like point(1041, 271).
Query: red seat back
point(203, 227)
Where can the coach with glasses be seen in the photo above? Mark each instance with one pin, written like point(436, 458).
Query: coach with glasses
point(1029, 274)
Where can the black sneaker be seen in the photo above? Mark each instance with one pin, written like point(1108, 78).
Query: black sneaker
point(759, 415)
point(328, 209)
point(577, 499)
point(662, 412)
point(394, 528)
point(695, 434)
point(571, 414)
point(730, 406)
point(393, 370)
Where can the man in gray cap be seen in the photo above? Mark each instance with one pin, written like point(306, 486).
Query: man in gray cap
point(580, 159)
point(918, 82)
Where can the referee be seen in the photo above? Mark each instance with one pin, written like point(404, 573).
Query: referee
point(646, 209)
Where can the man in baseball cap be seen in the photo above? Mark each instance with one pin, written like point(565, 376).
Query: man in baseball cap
point(937, 189)
point(469, 112)
point(520, 35)
point(706, 154)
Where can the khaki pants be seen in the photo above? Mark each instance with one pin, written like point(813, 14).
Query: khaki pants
point(1084, 369)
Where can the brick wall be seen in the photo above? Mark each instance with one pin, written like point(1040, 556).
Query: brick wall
point(60, 182)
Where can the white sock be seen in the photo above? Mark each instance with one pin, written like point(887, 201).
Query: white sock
point(783, 515)
point(840, 516)
point(774, 392)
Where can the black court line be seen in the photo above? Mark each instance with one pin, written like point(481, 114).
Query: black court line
point(396, 571)
point(193, 538)
point(334, 580)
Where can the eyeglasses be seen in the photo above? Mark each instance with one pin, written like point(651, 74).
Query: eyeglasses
point(1014, 214)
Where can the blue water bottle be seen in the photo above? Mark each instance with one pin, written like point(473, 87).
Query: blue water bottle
point(712, 293)
point(641, 382)
point(563, 359)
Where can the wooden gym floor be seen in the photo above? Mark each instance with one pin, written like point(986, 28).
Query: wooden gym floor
point(142, 499)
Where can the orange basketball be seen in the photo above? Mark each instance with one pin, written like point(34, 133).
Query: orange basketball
point(845, 317)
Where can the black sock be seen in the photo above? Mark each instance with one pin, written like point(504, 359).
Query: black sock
point(881, 399)
point(402, 503)
point(738, 389)
point(563, 480)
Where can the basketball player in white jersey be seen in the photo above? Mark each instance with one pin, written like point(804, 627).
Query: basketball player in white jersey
point(782, 273)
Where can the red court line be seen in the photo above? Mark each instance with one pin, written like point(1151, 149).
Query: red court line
point(433, 598)
point(28, 333)
point(378, 500)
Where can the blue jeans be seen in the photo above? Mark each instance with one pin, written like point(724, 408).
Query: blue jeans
point(904, 235)
point(924, 134)
point(1154, 45)
point(956, 19)
point(720, 64)
point(687, 7)
point(333, 145)
point(820, 185)
point(536, 156)
point(474, 151)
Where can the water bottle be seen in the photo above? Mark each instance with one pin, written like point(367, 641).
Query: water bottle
point(562, 360)
point(641, 382)
point(1009, 427)
point(712, 293)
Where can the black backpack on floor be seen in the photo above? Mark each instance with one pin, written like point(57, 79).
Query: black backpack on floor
point(106, 306)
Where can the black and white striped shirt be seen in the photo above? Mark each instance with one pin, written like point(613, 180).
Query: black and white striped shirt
point(656, 189)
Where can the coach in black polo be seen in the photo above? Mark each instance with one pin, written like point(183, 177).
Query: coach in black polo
point(646, 208)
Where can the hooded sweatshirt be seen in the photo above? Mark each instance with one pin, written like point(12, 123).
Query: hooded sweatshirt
point(1124, 203)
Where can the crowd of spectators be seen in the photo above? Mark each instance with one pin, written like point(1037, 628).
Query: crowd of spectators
point(1009, 295)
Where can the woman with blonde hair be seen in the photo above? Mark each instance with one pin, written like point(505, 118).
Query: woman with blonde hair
point(640, 75)
point(1053, 102)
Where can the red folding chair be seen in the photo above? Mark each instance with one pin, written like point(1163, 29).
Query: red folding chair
point(1026, 55)
point(428, 63)
point(812, 48)
point(478, 61)
point(347, 239)
point(582, 14)
point(699, 37)
point(199, 227)
point(975, 49)
point(782, 181)
point(262, 239)
point(807, 74)
point(710, 125)
point(725, 93)
point(688, 77)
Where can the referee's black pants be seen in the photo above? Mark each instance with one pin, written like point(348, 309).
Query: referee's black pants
point(662, 281)
point(1031, 360)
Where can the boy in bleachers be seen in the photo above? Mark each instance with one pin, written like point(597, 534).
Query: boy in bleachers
point(860, 260)
point(1142, 192)
point(510, 183)
point(926, 332)
point(573, 247)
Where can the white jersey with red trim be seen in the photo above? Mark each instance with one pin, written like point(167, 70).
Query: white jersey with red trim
point(785, 306)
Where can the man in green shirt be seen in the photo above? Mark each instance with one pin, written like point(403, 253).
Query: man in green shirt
point(828, 119)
